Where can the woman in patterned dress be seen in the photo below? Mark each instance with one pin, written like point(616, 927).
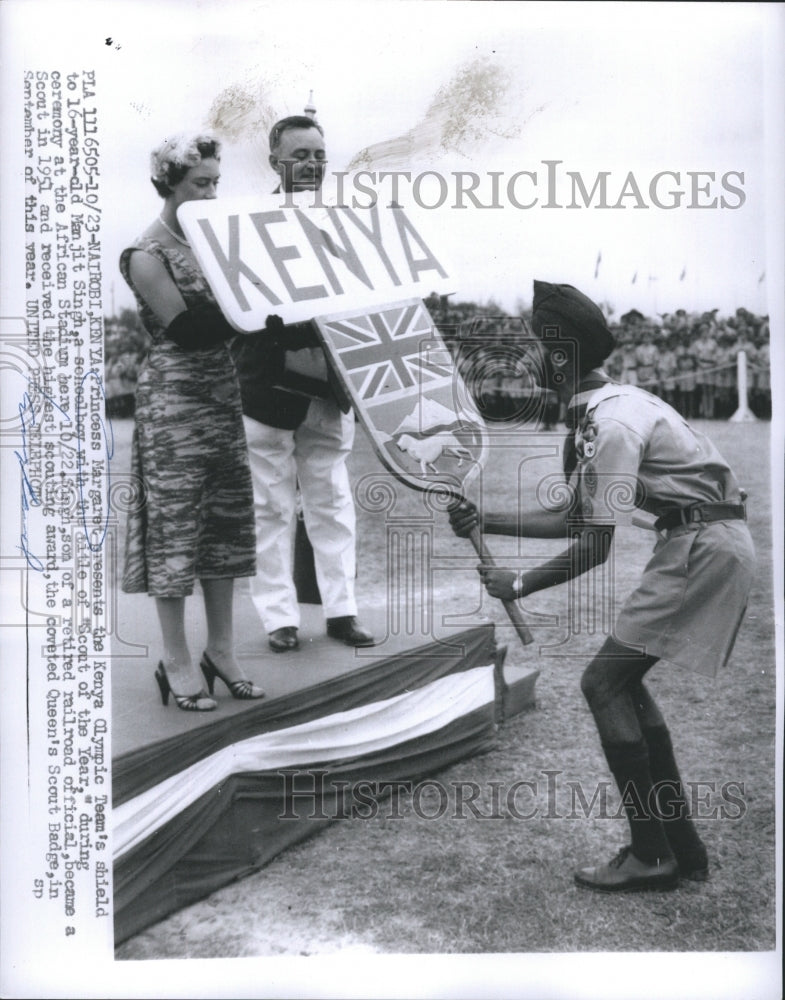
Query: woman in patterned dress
point(196, 517)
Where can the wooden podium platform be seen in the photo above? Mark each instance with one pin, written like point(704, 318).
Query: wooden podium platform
point(201, 799)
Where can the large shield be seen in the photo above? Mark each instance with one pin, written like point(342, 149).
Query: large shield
point(407, 393)
point(387, 355)
point(410, 398)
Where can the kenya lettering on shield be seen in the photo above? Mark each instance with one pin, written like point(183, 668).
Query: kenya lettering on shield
point(407, 393)
point(262, 257)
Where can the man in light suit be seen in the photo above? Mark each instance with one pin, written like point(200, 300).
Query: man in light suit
point(296, 440)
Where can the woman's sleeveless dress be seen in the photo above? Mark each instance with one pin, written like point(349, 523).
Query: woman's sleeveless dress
point(194, 515)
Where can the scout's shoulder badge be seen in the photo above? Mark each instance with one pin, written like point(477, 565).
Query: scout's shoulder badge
point(586, 438)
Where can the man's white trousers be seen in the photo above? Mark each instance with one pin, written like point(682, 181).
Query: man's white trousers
point(314, 455)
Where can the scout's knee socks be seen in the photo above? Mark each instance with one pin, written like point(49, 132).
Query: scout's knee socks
point(673, 810)
point(629, 764)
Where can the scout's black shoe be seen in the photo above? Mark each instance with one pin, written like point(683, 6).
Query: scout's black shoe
point(625, 873)
point(694, 865)
point(283, 639)
point(350, 631)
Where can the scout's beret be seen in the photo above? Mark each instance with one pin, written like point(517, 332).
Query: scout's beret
point(576, 317)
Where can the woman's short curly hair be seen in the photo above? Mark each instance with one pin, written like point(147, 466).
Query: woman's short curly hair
point(172, 160)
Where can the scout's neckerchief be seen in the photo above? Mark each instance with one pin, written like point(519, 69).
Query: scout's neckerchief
point(576, 411)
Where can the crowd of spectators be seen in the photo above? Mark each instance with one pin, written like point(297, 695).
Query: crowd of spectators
point(689, 359)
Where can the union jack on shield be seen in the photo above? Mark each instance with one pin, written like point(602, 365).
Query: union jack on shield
point(407, 393)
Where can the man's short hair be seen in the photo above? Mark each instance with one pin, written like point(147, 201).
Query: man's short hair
point(293, 121)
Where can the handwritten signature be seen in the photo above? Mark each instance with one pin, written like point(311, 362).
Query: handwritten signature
point(29, 496)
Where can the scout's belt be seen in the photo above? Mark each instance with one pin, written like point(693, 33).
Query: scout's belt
point(701, 513)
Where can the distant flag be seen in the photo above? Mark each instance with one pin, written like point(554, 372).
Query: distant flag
point(683, 274)
point(634, 278)
point(597, 265)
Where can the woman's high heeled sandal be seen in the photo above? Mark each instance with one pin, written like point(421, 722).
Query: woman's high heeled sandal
point(198, 702)
point(242, 689)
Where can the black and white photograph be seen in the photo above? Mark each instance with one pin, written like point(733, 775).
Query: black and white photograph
point(391, 414)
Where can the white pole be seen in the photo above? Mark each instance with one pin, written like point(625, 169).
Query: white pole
point(743, 413)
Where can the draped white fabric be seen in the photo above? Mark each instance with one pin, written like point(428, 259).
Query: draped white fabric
point(351, 734)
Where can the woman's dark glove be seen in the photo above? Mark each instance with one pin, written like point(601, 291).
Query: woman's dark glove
point(203, 326)
point(291, 337)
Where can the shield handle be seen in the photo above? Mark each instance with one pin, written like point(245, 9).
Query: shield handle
point(512, 609)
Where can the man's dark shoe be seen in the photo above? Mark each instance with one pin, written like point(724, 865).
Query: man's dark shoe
point(625, 873)
point(350, 631)
point(283, 639)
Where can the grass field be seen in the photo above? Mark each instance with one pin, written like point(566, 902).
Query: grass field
point(504, 884)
